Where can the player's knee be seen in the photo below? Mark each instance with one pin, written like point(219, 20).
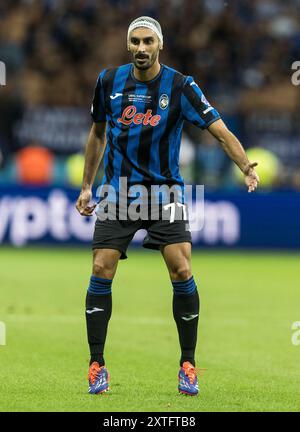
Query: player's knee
point(103, 268)
point(181, 273)
point(100, 269)
point(105, 263)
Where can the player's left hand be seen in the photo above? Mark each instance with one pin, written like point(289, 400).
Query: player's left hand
point(82, 203)
point(251, 177)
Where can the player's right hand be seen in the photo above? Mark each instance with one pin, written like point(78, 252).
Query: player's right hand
point(82, 203)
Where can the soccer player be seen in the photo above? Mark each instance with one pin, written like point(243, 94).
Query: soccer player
point(138, 112)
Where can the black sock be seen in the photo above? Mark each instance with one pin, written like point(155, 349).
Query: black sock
point(186, 314)
point(98, 313)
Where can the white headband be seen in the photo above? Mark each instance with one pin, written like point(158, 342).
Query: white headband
point(148, 22)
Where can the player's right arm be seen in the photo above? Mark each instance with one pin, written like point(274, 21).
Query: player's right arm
point(94, 149)
point(93, 155)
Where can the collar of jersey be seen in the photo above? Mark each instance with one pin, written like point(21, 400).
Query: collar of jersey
point(146, 82)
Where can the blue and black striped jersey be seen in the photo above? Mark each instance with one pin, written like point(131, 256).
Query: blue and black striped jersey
point(144, 123)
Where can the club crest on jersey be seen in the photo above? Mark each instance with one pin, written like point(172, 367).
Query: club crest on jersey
point(164, 101)
point(130, 116)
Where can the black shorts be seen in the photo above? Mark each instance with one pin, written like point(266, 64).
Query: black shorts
point(117, 234)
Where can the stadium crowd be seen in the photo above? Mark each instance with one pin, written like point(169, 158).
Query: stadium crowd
point(240, 53)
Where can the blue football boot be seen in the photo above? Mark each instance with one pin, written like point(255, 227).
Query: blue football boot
point(188, 381)
point(98, 379)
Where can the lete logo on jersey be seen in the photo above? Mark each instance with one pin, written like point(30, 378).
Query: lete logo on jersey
point(130, 116)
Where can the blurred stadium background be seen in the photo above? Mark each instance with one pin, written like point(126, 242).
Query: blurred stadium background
point(241, 54)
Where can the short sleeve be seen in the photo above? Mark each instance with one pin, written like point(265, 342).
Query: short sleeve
point(195, 107)
point(98, 111)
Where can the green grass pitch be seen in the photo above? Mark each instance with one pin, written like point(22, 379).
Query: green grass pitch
point(248, 304)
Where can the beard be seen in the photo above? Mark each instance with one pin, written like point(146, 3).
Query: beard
point(144, 61)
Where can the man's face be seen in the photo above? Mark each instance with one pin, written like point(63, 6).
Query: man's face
point(144, 47)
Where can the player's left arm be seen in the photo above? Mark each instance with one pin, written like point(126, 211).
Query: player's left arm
point(234, 149)
point(197, 110)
